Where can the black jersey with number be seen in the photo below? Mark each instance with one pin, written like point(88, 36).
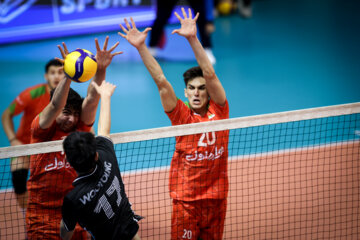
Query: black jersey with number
point(98, 201)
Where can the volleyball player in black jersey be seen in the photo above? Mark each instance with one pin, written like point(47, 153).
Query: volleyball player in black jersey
point(98, 201)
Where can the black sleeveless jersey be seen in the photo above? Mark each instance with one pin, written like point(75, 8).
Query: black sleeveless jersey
point(98, 201)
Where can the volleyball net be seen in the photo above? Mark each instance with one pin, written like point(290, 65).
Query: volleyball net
point(292, 175)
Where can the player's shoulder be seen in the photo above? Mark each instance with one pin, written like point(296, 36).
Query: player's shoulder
point(36, 86)
point(104, 143)
point(180, 106)
point(223, 107)
point(38, 90)
point(35, 91)
point(103, 139)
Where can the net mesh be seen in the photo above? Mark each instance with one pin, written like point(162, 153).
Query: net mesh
point(292, 175)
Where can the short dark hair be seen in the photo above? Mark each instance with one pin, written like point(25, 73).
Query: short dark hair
point(52, 62)
point(80, 150)
point(74, 100)
point(192, 73)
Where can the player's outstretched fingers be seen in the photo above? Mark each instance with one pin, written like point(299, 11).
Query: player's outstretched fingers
point(97, 45)
point(106, 43)
point(127, 24)
point(61, 51)
point(190, 13)
point(196, 17)
point(114, 46)
point(61, 60)
point(177, 16)
point(147, 30)
point(184, 13)
point(133, 23)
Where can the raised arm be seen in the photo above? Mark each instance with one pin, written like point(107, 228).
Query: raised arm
point(91, 101)
point(105, 90)
point(137, 39)
point(57, 103)
point(188, 30)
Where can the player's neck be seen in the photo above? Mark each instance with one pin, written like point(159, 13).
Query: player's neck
point(201, 112)
point(48, 88)
point(85, 173)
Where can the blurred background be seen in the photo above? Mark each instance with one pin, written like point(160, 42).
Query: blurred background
point(271, 55)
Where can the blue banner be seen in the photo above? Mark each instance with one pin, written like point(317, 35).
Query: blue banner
point(23, 20)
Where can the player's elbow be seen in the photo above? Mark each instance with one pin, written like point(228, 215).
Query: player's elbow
point(163, 84)
point(208, 73)
point(161, 81)
point(64, 233)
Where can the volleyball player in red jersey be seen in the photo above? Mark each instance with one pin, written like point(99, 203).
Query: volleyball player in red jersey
point(51, 175)
point(198, 174)
point(30, 102)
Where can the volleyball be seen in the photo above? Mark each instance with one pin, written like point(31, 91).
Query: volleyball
point(224, 7)
point(80, 65)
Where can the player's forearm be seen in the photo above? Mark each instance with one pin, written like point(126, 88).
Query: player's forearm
point(60, 94)
point(152, 65)
point(201, 57)
point(58, 102)
point(213, 85)
point(99, 77)
point(92, 95)
point(105, 116)
point(92, 98)
point(89, 107)
point(8, 125)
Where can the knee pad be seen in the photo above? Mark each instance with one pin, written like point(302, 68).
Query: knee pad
point(19, 179)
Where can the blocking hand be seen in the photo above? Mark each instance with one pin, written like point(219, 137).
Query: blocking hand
point(103, 56)
point(188, 24)
point(132, 34)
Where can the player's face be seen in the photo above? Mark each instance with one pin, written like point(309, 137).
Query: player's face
point(54, 75)
point(197, 94)
point(68, 119)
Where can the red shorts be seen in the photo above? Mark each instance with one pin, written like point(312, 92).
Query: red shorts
point(198, 219)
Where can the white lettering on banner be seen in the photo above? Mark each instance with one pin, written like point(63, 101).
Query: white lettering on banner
point(57, 164)
point(76, 6)
point(104, 178)
point(196, 156)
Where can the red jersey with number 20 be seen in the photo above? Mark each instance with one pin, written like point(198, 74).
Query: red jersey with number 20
point(199, 164)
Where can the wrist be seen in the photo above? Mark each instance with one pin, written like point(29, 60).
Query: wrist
point(192, 37)
point(12, 139)
point(100, 70)
point(141, 47)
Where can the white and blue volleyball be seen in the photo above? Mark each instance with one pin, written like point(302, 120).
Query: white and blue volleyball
point(80, 65)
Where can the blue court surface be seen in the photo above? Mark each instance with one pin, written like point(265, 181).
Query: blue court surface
point(288, 56)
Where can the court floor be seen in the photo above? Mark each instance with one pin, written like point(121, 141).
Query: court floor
point(288, 56)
